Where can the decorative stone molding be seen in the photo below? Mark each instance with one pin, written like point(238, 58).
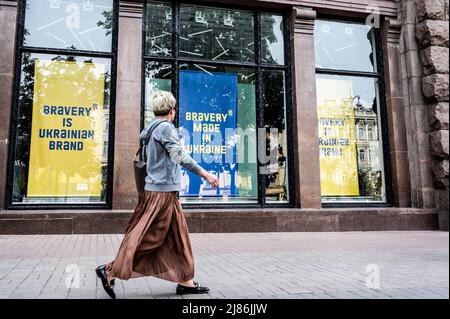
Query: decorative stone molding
point(8, 3)
point(394, 31)
point(304, 20)
point(385, 8)
point(130, 9)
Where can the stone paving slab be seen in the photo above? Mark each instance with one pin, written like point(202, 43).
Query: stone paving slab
point(353, 265)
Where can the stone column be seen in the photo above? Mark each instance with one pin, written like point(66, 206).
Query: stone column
point(396, 114)
point(8, 16)
point(432, 34)
point(306, 147)
point(128, 104)
point(419, 156)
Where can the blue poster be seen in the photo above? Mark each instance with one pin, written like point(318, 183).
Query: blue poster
point(208, 103)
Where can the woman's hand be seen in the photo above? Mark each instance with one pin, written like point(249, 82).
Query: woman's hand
point(211, 179)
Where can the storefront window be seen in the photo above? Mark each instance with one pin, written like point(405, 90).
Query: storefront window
point(62, 128)
point(351, 153)
point(229, 140)
point(274, 102)
point(158, 35)
point(158, 76)
point(344, 46)
point(73, 25)
point(272, 39)
point(217, 74)
point(217, 34)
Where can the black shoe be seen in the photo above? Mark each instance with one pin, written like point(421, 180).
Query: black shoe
point(101, 273)
point(183, 290)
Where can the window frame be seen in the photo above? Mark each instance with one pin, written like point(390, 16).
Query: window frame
point(19, 50)
point(362, 155)
point(175, 60)
point(370, 131)
point(361, 133)
point(378, 75)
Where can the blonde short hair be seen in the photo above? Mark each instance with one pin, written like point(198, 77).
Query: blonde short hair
point(162, 102)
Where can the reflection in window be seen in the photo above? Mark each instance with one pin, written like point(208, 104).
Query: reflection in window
point(158, 35)
point(346, 172)
point(158, 77)
point(62, 135)
point(351, 152)
point(370, 133)
point(272, 39)
point(345, 46)
point(361, 133)
point(274, 103)
point(217, 34)
point(74, 25)
point(362, 155)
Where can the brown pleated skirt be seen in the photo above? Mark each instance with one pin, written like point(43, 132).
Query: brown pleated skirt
point(156, 242)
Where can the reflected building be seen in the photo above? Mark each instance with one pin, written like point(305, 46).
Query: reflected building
point(368, 149)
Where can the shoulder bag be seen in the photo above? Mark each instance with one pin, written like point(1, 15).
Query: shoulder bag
point(140, 163)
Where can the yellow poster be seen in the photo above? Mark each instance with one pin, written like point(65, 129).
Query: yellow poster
point(337, 138)
point(67, 129)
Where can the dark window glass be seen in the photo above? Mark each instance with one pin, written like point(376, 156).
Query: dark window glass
point(158, 27)
point(274, 103)
point(217, 34)
point(370, 133)
point(75, 25)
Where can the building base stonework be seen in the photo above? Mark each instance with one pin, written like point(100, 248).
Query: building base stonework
point(226, 221)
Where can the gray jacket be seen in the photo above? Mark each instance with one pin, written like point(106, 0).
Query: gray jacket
point(165, 154)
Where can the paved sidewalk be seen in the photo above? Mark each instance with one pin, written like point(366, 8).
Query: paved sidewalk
point(260, 265)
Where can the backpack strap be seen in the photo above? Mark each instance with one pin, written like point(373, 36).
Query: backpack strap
point(142, 148)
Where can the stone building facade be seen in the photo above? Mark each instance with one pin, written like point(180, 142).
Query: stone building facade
point(390, 57)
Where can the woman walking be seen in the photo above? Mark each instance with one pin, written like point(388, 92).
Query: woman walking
point(156, 241)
